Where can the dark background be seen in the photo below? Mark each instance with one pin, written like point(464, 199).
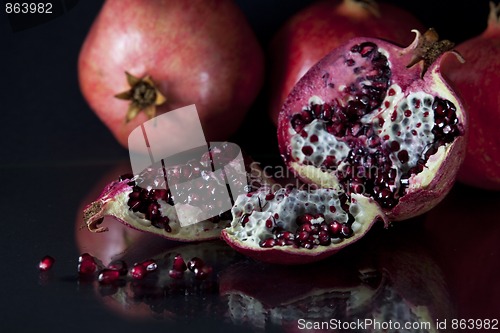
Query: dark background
point(53, 148)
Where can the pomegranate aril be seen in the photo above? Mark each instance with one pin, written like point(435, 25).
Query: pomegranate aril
point(267, 243)
point(346, 231)
point(87, 264)
point(150, 265)
point(107, 276)
point(46, 263)
point(203, 272)
point(195, 262)
point(138, 272)
point(179, 264)
point(335, 228)
point(324, 238)
point(120, 266)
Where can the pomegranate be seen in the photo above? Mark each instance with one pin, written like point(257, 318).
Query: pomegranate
point(379, 133)
point(475, 80)
point(312, 33)
point(133, 200)
point(163, 55)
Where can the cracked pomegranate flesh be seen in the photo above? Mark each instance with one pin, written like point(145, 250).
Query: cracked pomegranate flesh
point(378, 134)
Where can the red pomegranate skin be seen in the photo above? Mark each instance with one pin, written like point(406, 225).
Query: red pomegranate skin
point(196, 52)
point(478, 82)
point(312, 33)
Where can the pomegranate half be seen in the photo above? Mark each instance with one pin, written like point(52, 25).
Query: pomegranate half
point(378, 133)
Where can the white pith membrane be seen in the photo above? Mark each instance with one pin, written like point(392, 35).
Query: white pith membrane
point(252, 212)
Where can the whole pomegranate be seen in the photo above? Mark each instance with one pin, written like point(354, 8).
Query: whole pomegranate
point(378, 133)
point(160, 55)
point(313, 32)
point(478, 82)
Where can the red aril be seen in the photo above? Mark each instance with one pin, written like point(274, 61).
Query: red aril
point(175, 53)
point(315, 31)
point(46, 263)
point(477, 81)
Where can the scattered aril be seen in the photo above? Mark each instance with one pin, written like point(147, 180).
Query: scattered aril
point(46, 263)
point(108, 276)
point(86, 264)
point(138, 272)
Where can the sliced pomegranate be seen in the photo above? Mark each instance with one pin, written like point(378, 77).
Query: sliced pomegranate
point(376, 128)
point(133, 201)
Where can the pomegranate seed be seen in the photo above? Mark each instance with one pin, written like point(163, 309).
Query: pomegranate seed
point(86, 264)
point(195, 263)
point(324, 238)
point(267, 243)
point(269, 196)
point(346, 231)
point(179, 264)
point(303, 236)
point(120, 266)
point(269, 223)
point(138, 272)
point(150, 265)
point(335, 228)
point(107, 276)
point(203, 272)
point(46, 263)
point(307, 150)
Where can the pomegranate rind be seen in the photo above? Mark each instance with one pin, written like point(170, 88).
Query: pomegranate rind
point(368, 214)
point(113, 202)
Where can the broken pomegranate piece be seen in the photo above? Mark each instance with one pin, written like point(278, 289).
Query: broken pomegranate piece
point(379, 133)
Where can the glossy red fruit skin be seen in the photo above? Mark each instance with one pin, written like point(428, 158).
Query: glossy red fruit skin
point(315, 31)
point(477, 80)
point(197, 52)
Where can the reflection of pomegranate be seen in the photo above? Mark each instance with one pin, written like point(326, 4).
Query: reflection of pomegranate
point(312, 33)
point(478, 82)
point(377, 128)
point(163, 55)
point(383, 279)
point(472, 270)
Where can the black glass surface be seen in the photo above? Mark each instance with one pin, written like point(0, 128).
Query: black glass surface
point(56, 156)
